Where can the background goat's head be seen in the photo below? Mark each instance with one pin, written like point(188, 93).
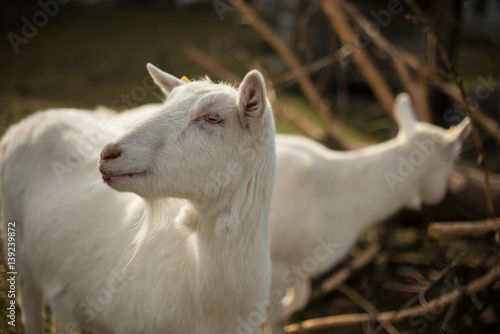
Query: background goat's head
point(434, 149)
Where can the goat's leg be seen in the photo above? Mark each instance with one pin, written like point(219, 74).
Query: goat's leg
point(31, 304)
point(275, 321)
point(297, 297)
point(276, 317)
point(59, 326)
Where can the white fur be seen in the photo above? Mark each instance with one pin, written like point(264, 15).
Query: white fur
point(324, 199)
point(204, 195)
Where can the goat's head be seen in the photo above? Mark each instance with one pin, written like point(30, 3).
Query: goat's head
point(434, 149)
point(201, 143)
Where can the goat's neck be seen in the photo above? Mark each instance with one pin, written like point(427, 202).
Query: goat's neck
point(246, 243)
point(369, 175)
point(235, 263)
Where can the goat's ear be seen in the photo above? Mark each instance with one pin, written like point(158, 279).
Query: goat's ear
point(252, 101)
point(403, 113)
point(461, 131)
point(165, 81)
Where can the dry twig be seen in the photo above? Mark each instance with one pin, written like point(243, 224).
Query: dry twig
point(400, 57)
point(305, 83)
point(367, 306)
point(475, 132)
point(360, 58)
point(430, 74)
point(394, 316)
point(463, 229)
point(394, 55)
point(343, 274)
point(315, 66)
point(209, 64)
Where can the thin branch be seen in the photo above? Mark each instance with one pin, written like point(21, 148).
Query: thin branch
point(475, 132)
point(430, 74)
point(343, 274)
point(463, 229)
point(292, 62)
point(392, 52)
point(209, 64)
point(301, 28)
point(428, 284)
point(315, 66)
point(367, 306)
point(360, 58)
point(449, 315)
point(395, 316)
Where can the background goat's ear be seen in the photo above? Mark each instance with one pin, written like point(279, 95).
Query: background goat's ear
point(165, 81)
point(462, 130)
point(403, 113)
point(252, 101)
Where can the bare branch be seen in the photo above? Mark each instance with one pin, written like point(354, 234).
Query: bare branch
point(395, 316)
point(475, 132)
point(367, 306)
point(292, 62)
point(360, 58)
point(463, 229)
point(343, 274)
point(209, 64)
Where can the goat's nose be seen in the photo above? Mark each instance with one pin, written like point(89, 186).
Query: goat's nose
point(110, 151)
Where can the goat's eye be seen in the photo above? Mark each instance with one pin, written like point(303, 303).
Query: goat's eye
point(212, 119)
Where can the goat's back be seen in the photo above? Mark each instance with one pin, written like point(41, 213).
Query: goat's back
point(74, 233)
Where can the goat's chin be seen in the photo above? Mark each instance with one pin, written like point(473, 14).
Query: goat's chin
point(124, 182)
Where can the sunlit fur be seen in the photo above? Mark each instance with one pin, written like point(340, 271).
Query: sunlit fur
point(324, 197)
point(204, 263)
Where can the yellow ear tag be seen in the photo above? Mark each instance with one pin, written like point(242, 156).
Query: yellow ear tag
point(451, 130)
point(185, 79)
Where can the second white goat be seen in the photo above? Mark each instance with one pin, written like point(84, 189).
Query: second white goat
point(325, 199)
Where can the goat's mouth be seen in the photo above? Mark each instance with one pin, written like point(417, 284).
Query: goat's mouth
point(110, 178)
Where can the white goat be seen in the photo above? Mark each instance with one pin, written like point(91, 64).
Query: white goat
point(324, 200)
point(204, 166)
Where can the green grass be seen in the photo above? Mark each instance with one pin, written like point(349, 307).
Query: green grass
point(86, 56)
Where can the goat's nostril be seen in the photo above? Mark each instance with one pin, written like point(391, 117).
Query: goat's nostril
point(110, 151)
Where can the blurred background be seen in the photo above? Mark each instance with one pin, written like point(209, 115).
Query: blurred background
point(61, 53)
point(90, 53)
